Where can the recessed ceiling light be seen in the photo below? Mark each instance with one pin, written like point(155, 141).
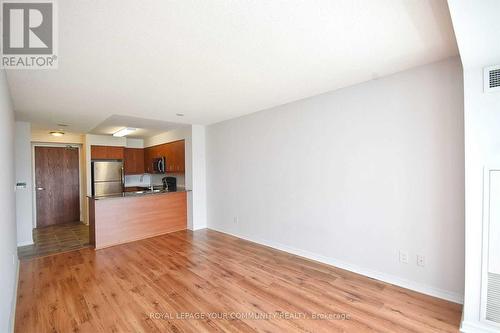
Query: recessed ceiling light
point(56, 133)
point(125, 131)
point(180, 114)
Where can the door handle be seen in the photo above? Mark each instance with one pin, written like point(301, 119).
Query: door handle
point(40, 188)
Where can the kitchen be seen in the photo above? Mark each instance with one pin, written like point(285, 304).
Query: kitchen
point(136, 192)
point(150, 170)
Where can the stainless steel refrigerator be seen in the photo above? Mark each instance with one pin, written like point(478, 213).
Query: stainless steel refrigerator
point(107, 178)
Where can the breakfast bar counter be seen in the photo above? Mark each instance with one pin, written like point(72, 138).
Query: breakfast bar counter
point(122, 219)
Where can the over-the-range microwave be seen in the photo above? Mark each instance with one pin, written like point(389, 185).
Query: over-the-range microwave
point(159, 165)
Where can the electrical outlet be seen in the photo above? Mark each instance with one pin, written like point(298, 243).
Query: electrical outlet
point(420, 260)
point(236, 219)
point(403, 257)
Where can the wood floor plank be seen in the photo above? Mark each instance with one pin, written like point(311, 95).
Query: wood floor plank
point(207, 281)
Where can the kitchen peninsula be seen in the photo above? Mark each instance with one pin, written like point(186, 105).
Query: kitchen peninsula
point(127, 202)
point(136, 215)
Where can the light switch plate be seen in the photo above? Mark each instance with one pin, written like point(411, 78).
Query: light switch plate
point(420, 260)
point(403, 257)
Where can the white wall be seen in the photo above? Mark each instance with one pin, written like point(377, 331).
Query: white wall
point(477, 31)
point(482, 150)
point(8, 249)
point(24, 196)
point(353, 176)
point(181, 133)
point(134, 143)
point(38, 135)
point(198, 181)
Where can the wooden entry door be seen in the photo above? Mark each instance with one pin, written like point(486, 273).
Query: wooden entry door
point(57, 185)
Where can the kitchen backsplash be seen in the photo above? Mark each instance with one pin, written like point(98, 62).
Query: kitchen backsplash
point(147, 180)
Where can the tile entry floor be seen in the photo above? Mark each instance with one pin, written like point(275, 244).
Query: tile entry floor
point(55, 239)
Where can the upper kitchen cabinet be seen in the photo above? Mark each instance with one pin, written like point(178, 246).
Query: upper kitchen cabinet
point(133, 163)
point(150, 154)
point(168, 153)
point(115, 153)
point(173, 152)
point(178, 156)
point(148, 160)
point(106, 153)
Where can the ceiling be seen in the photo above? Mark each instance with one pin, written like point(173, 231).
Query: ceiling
point(478, 29)
point(145, 128)
point(216, 60)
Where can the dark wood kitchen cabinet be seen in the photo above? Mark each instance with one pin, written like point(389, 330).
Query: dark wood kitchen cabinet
point(174, 153)
point(133, 162)
point(148, 160)
point(138, 161)
point(166, 150)
point(150, 154)
point(177, 152)
point(106, 153)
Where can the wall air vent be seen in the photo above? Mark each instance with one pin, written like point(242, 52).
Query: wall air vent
point(492, 79)
point(493, 298)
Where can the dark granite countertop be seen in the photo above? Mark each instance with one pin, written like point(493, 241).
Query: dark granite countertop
point(138, 193)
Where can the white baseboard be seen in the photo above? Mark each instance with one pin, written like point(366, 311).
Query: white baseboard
point(25, 243)
point(199, 228)
point(395, 280)
point(477, 327)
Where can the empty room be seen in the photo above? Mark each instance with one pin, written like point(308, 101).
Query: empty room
point(250, 166)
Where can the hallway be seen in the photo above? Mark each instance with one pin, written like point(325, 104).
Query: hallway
point(56, 239)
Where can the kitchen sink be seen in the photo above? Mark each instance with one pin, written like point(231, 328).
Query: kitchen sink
point(147, 191)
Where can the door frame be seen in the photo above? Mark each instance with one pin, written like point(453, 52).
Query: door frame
point(80, 173)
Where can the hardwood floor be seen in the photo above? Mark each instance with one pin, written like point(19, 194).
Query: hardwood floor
point(55, 239)
point(206, 281)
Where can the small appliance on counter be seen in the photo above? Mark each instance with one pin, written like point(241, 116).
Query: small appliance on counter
point(169, 183)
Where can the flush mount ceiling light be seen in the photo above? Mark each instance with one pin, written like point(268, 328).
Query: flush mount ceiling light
point(179, 114)
point(56, 133)
point(125, 131)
